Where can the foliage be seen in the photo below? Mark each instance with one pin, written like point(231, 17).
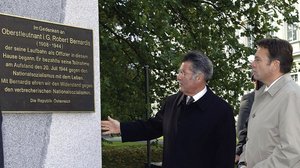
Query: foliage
point(124, 155)
point(135, 33)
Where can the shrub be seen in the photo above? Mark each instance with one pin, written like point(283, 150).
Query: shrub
point(128, 155)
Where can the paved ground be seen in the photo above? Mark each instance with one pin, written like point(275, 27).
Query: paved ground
point(118, 139)
point(112, 138)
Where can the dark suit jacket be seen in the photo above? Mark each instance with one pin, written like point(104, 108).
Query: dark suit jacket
point(200, 135)
point(245, 109)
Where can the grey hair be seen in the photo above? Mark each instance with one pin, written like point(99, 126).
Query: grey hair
point(200, 63)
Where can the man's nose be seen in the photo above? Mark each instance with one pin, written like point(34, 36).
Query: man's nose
point(252, 64)
point(178, 76)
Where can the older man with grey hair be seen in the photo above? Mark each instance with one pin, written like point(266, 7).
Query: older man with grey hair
point(197, 126)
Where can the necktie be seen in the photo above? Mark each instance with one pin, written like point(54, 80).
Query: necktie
point(190, 100)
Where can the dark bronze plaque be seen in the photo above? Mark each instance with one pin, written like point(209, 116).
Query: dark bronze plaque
point(45, 67)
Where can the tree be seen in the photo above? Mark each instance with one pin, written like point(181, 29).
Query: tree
point(135, 33)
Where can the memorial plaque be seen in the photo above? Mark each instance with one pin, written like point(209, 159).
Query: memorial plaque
point(45, 67)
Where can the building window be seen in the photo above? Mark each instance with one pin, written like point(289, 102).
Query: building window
point(291, 32)
point(295, 77)
point(250, 41)
point(271, 34)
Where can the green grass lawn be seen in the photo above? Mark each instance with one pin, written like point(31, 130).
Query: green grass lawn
point(128, 155)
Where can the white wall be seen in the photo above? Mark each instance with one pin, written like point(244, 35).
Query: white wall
point(55, 140)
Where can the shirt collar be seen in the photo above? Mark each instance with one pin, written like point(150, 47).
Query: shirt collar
point(200, 94)
point(268, 87)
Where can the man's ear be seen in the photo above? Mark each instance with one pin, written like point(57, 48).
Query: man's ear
point(276, 64)
point(200, 77)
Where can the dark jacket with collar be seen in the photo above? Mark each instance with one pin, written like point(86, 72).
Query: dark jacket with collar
point(200, 135)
